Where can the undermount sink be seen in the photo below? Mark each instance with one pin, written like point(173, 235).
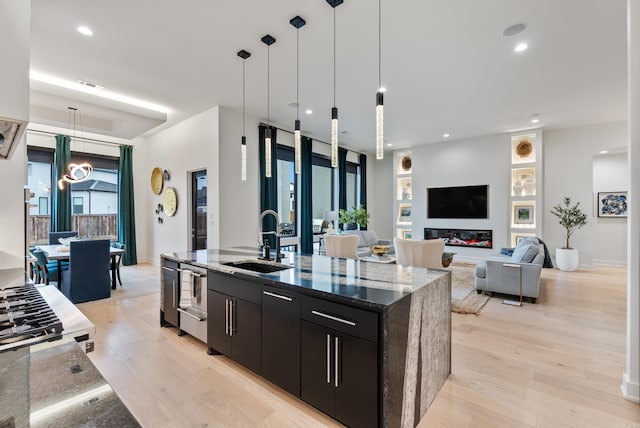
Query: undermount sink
point(257, 267)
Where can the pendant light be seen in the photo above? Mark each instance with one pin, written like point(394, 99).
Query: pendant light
point(77, 172)
point(267, 40)
point(297, 22)
point(243, 147)
point(379, 94)
point(334, 109)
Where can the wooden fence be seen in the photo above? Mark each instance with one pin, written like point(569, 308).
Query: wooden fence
point(95, 225)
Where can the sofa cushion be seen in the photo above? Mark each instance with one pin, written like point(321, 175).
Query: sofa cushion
point(525, 253)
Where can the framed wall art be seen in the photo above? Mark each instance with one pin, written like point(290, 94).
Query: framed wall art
point(523, 214)
point(612, 204)
point(404, 213)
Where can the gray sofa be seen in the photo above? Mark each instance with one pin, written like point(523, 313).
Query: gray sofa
point(367, 239)
point(500, 273)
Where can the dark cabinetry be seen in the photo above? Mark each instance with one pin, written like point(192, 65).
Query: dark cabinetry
point(170, 294)
point(281, 338)
point(339, 360)
point(234, 319)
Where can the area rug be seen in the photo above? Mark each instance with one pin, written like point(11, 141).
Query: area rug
point(464, 299)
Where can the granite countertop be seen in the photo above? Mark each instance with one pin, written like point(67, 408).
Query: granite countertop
point(375, 285)
point(55, 384)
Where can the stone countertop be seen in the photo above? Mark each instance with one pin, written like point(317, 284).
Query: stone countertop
point(374, 285)
point(55, 384)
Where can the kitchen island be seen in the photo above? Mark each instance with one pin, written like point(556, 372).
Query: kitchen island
point(367, 343)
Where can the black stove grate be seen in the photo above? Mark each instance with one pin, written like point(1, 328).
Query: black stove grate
point(26, 318)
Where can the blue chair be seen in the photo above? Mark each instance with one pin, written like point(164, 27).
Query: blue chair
point(54, 236)
point(44, 272)
point(115, 261)
point(88, 275)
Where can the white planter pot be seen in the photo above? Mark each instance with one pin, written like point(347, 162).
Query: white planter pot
point(567, 259)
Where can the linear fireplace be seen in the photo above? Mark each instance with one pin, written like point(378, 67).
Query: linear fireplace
point(461, 237)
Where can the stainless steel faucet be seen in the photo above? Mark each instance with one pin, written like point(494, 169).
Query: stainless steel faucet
point(276, 232)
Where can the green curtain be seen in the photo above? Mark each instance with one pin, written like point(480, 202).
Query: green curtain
point(61, 205)
point(268, 187)
point(306, 204)
point(126, 208)
point(342, 179)
point(363, 180)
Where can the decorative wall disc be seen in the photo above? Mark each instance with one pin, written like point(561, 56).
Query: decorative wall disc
point(170, 201)
point(406, 163)
point(156, 181)
point(524, 148)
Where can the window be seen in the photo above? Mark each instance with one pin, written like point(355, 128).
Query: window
point(286, 190)
point(352, 185)
point(43, 206)
point(322, 179)
point(78, 205)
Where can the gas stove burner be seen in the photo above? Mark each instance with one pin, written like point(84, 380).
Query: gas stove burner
point(26, 318)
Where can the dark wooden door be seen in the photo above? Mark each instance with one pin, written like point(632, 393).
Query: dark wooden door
point(218, 337)
point(199, 210)
point(316, 360)
point(246, 334)
point(281, 339)
point(357, 391)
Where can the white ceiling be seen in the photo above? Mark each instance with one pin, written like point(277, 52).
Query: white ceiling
point(446, 64)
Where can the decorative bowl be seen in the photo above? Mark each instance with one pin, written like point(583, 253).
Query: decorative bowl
point(379, 250)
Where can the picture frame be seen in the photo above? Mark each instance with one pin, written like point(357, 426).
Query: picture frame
point(404, 213)
point(518, 236)
point(523, 214)
point(613, 204)
point(406, 234)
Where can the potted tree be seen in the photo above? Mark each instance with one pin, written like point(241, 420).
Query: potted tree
point(354, 218)
point(571, 218)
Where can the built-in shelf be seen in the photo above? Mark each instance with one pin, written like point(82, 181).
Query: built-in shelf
point(403, 165)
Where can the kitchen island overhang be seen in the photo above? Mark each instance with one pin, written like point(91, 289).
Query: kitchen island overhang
point(412, 306)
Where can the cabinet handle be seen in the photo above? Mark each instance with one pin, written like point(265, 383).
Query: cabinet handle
point(336, 352)
point(169, 269)
point(321, 314)
point(278, 296)
point(174, 292)
point(191, 315)
point(328, 358)
point(231, 318)
point(226, 316)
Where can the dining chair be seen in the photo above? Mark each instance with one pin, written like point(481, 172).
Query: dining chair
point(88, 275)
point(115, 261)
point(44, 272)
point(421, 253)
point(343, 246)
point(55, 236)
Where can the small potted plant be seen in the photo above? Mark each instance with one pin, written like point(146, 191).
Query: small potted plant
point(571, 218)
point(354, 218)
point(347, 220)
point(361, 216)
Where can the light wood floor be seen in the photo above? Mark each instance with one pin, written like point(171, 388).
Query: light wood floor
point(558, 363)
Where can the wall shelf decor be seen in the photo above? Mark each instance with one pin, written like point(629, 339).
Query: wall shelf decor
point(403, 165)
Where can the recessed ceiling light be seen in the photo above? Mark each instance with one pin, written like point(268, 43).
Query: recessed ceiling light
point(389, 144)
point(520, 47)
point(344, 132)
point(446, 135)
point(604, 152)
point(535, 118)
point(85, 30)
point(90, 85)
point(308, 111)
point(513, 30)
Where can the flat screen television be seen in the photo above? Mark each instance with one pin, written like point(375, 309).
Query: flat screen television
point(458, 202)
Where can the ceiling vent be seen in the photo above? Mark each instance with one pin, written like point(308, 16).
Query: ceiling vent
point(10, 132)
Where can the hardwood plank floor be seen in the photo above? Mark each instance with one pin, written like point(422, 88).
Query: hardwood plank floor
point(557, 363)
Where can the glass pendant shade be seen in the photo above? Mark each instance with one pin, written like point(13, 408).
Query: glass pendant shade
point(379, 126)
point(267, 153)
point(243, 171)
point(334, 137)
point(296, 147)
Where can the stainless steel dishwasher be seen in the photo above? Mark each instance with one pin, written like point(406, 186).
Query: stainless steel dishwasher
point(193, 301)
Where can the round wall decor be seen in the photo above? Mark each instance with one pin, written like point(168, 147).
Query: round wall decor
point(406, 163)
point(524, 148)
point(156, 181)
point(170, 201)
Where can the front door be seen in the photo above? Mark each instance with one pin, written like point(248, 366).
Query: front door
point(199, 210)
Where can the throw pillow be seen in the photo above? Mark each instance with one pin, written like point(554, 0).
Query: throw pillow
point(529, 240)
point(525, 253)
point(369, 236)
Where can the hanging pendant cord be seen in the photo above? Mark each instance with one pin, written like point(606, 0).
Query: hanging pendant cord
point(379, 44)
point(243, 96)
point(297, 73)
point(334, 56)
point(268, 80)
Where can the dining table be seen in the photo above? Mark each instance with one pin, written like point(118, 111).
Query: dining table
point(60, 253)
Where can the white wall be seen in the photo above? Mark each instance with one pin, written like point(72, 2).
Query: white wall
point(568, 171)
point(15, 31)
point(610, 174)
point(380, 185)
point(189, 146)
point(239, 200)
point(477, 161)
